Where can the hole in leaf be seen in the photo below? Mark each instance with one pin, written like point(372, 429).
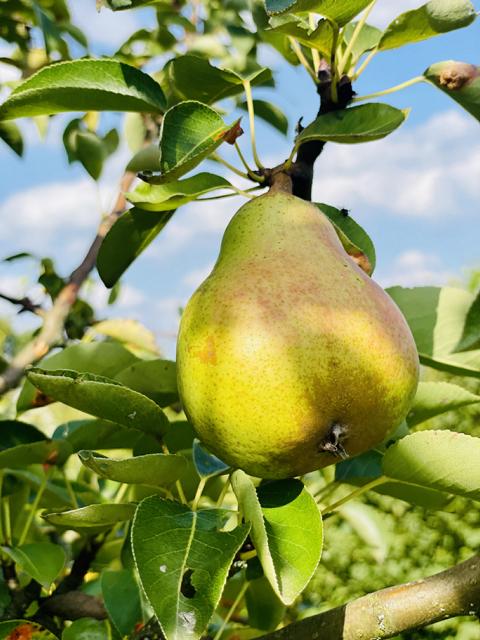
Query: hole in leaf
point(187, 589)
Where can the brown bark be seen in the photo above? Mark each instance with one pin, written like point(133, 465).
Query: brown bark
point(386, 613)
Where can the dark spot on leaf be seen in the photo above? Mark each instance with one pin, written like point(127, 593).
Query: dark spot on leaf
point(187, 589)
point(40, 399)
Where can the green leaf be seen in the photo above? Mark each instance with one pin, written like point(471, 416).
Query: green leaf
point(286, 531)
point(370, 526)
point(471, 329)
point(129, 236)
point(265, 609)
point(191, 77)
point(156, 379)
point(183, 558)
point(437, 317)
point(14, 432)
point(155, 469)
point(320, 38)
point(92, 518)
point(11, 135)
point(340, 12)
point(357, 124)
point(84, 85)
point(164, 197)
point(207, 464)
point(89, 150)
point(145, 160)
point(102, 358)
point(355, 240)
point(366, 40)
point(42, 561)
point(131, 333)
point(96, 434)
point(460, 81)
point(53, 452)
point(87, 629)
point(191, 131)
point(121, 596)
point(431, 19)
point(101, 397)
point(20, 629)
point(440, 460)
point(270, 113)
point(435, 398)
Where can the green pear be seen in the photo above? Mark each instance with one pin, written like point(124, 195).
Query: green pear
point(289, 356)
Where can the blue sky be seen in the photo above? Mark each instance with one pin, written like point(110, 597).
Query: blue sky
point(416, 193)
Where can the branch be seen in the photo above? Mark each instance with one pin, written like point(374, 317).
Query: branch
point(80, 567)
point(386, 613)
point(54, 319)
point(302, 168)
point(73, 605)
point(25, 303)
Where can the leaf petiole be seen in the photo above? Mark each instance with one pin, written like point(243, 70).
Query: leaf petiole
point(384, 92)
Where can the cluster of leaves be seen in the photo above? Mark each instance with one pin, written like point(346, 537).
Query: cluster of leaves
point(176, 534)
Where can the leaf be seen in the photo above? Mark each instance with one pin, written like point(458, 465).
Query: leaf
point(87, 629)
point(121, 596)
point(190, 132)
point(265, 610)
point(14, 432)
point(370, 526)
point(144, 160)
point(102, 358)
point(134, 335)
point(365, 123)
point(437, 317)
point(435, 398)
point(96, 434)
point(155, 469)
point(368, 465)
point(270, 113)
point(156, 379)
point(90, 151)
point(24, 630)
point(460, 81)
point(440, 460)
point(183, 558)
point(431, 19)
point(11, 135)
point(366, 40)
point(286, 531)
point(207, 464)
point(84, 85)
point(340, 12)
point(130, 235)
point(101, 397)
point(320, 38)
point(42, 561)
point(54, 452)
point(192, 77)
point(92, 518)
point(354, 238)
point(471, 329)
point(164, 197)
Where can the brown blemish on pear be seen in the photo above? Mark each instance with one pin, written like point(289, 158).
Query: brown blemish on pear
point(457, 74)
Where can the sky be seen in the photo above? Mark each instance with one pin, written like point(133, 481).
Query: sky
point(416, 192)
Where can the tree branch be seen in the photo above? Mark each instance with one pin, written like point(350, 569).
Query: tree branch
point(51, 332)
point(25, 303)
point(73, 606)
point(386, 613)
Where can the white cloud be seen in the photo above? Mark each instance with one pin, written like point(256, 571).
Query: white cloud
point(386, 10)
point(415, 268)
point(429, 171)
point(130, 298)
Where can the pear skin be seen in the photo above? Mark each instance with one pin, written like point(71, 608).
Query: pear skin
point(289, 356)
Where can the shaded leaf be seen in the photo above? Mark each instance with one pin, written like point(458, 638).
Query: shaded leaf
point(54, 452)
point(366, 40)
point(11, 135)
point(460, 81)
point(42, 561)
point(14, 432)
point(340, 12)
point(471, 329)
point(96, 434)
point(435, 398)
point(265, 609)
point(101, 397)
point(129, 236)
point(365, 123)
point(431, 19)
point(164, 197)
point(121, 596)
point(355, 240)
point(286, 531)
point(270, 113)
point(183, 558)
point(84, 85)
point(87, 629)
point(156, 379)
point(207, 464)
point(155, 469)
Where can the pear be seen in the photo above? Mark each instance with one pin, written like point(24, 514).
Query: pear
point(289, 356)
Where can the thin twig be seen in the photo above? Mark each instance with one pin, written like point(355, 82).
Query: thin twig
point(25, 303)
point(54, 319)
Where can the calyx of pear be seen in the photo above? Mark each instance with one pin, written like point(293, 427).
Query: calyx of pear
point(290, 357)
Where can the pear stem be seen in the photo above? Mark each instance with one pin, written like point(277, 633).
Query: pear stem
point(355, 494)
point(281, 182)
